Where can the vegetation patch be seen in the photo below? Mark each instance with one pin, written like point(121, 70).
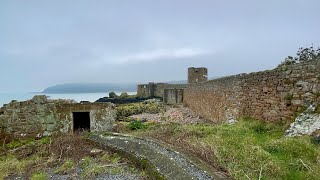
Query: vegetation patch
point(66, 167)
point(288, 97)
point(40, 176)
point(135, 125)
point(249, 149)
point(60, 156)
point(150, 106)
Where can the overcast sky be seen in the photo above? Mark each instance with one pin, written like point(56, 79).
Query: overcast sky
point(43, 43)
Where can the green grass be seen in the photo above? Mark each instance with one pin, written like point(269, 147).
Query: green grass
point(39, 176)
point(107, 163)
point(135, 125)
point(246, 149)
point(20, 142)
point(65, 167)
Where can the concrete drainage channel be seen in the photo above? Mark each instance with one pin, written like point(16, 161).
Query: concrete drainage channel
point(159, 161)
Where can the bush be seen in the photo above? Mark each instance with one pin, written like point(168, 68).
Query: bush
point(124, 95)
point(135, 125)
point(113, 95)
point(149, 106)
point(302, 55)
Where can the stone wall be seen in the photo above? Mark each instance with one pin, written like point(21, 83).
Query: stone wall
point(41, 116)
point(271, 95)
point(173, 96)
point(156, 89)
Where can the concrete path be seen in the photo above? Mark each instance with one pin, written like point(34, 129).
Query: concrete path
point(162, 162)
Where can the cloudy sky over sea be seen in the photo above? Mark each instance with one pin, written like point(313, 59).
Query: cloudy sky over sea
point(43, 43)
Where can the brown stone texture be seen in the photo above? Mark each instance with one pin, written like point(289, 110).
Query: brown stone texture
point(196, 75)
point(271, 95)
point(41, 116)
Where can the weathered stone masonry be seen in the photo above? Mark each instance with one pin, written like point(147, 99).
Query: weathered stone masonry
point(41, 116)
point(172, 93)
point(269, 95)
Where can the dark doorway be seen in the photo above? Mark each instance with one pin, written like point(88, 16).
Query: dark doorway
point(81, 121)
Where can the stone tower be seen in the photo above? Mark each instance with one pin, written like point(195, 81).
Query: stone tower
point(197, 74)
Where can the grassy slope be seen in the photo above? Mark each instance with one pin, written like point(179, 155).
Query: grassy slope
point(247, 150)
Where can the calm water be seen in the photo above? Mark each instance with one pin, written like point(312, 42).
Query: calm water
point(8, 97)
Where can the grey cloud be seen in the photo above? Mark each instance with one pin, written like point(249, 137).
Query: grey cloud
point(48, 42)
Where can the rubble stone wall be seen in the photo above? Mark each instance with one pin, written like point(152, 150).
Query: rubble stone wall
point(271, 95)
point(41, 116)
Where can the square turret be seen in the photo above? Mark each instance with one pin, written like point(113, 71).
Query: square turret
point(196, 75)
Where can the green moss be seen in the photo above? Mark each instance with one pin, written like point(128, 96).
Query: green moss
point(45, 140)
point(20, 142)
point(115, 158)
point(14, 144)
point(39, 176)
point(287, 81)
point(288, 97)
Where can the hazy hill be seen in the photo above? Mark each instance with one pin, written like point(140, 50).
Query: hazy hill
point(178, 82)
point(90, 88)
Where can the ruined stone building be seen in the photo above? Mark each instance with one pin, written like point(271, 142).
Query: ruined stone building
point(41, 116)
point(172, 93)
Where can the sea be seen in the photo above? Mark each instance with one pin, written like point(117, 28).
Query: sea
point(6, 98)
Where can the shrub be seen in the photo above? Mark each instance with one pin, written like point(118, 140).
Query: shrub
point(113, 95)
point(302, 55)
point(127, 110)
point(124, 95)
point(135, 125)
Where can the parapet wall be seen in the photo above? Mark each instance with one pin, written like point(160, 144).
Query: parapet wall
point(271, 95)
point(41, 116)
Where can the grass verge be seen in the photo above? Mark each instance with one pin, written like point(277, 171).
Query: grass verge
point(249, 149)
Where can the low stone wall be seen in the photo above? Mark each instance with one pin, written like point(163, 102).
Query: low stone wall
point(271, 95)
point(41, 116)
